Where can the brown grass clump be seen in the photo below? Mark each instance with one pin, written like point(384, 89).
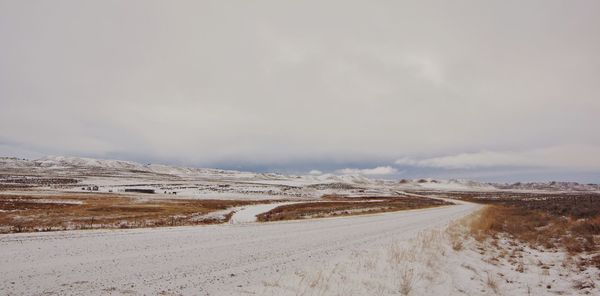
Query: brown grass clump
point(492, 283)
point(407, 281)
point(577, 205)
point(519, 223)
point(456, 240)
point(341, 206)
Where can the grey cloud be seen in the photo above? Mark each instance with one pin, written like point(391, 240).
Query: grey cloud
point(273, 82)
point(566, 157)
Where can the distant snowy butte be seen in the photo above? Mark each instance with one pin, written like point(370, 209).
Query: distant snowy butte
point(470, 185)
point(452, 184)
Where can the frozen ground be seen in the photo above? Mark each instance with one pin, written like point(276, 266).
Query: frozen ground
point(440, 261)
point(384, 254)
point(248, 214)
point(209, 260)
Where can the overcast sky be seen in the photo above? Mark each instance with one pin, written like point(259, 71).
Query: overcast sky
point(488, 90)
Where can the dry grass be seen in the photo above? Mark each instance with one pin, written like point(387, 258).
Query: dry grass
point(456, 240)
point(458, 231)
point(539, 229)
point(22, 213)
point(492, 283)
point(407, 281)
point(348, 206)
point(572, 204)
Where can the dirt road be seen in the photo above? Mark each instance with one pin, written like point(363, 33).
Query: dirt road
point(204, 260)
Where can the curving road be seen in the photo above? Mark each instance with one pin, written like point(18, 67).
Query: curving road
point(205, 260)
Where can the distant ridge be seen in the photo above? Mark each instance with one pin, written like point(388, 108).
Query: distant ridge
point(92, 166)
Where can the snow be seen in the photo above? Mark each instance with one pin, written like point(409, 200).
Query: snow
point(201, 183)
point(544, 271)
point(216, 215)
point(446, 185)
point(225, 259)
point(349, 255)
point(428, 264)
point(248, 214)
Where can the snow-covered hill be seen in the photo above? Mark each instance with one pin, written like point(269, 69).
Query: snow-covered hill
point(85, 168)
point(550, 186)
point(90, 166)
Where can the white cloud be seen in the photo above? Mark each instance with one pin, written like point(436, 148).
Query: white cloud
point(468, 160)
point(381, 170)
point(315, 172)
point(568, 157)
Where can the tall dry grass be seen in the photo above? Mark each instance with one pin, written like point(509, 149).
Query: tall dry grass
point(539, 229)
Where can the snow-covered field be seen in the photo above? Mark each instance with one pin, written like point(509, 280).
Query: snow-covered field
point(75, 174)
point(208, 260)
point(384, 254)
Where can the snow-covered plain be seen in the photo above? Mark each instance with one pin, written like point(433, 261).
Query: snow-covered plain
point(227, 259)
point(339, 256)
point(50, 173)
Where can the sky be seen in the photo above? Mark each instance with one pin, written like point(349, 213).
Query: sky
point(484, 90)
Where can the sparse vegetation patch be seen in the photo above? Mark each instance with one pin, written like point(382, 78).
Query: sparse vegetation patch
point(25, 213)
point(345, 206)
